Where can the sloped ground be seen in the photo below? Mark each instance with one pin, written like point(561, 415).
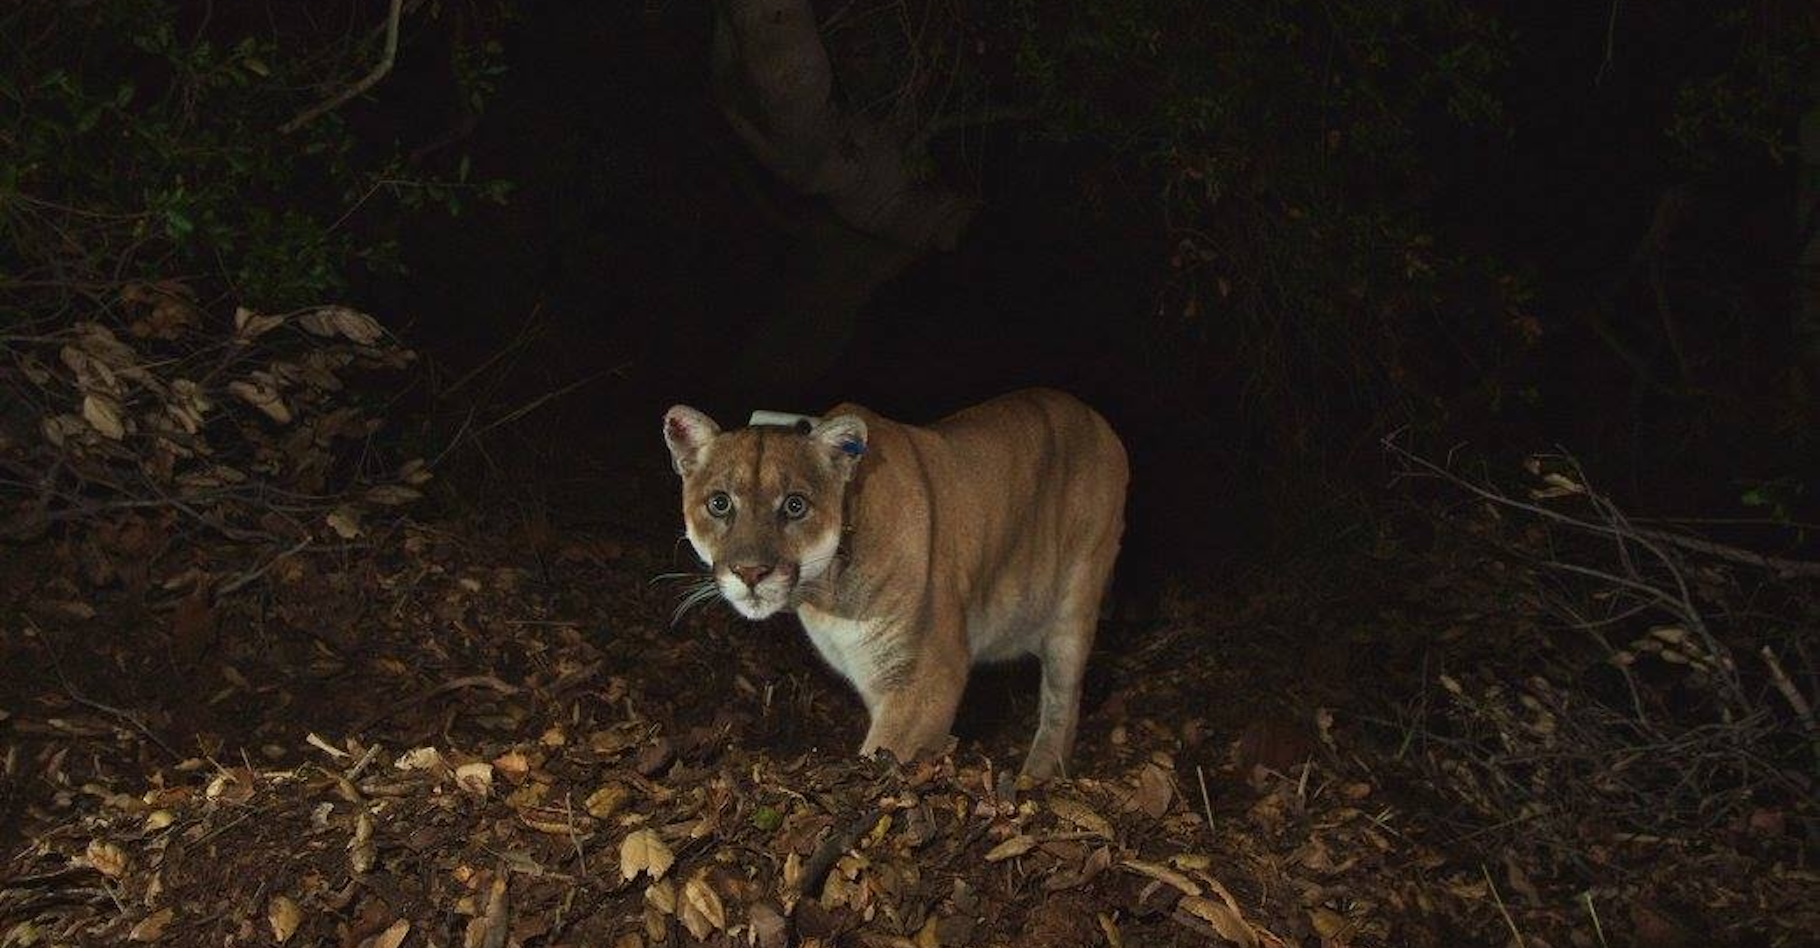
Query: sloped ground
point(440, 739)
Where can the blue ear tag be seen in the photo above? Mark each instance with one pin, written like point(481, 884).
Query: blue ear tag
point(852, 449)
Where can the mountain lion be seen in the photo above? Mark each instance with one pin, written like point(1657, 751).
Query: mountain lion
point(912, 553)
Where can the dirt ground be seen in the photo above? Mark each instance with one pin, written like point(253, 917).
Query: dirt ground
point(491, 734)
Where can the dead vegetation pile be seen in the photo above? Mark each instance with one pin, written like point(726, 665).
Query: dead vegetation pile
point(1626, 716)
point(145, 412)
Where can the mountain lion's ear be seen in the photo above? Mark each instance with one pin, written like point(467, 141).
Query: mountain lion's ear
point(845, 437)
point(687, 431)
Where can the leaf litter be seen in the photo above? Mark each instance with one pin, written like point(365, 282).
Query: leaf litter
point(432, 742)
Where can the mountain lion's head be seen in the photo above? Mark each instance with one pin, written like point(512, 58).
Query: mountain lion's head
point(763, 505)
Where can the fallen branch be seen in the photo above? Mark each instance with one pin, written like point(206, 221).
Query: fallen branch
point(1786, 687)
point(829, 852)
point(471, 681)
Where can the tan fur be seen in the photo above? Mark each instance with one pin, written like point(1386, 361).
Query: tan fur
point(984, 537)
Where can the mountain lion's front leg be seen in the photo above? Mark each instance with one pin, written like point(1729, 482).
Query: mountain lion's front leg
point(913, 719)
point(917, 711)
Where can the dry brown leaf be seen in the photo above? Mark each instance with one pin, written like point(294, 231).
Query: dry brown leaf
point(363, 853)
point(345, 521)
point(284, 916)
point(1015, 846)
point(392, 495)
point(661, 895)
point(104, 415)
point(151, 927)
point(555, 820)
point(1110, 929)
point(491, 926)
point(513, 765)
point(644, 851)
point(249, 325)
point(58, 429)
point(769, 929)
point(1090, 867)
point(1222, 917)
point(393, 936)
point(263, 396)
point(99, 341)
point(1081, 815)
point(702, 913)
point(107, 858)
point(339, 320)
point(1154, 791)
point(603, 803)
point(1163, 874)
point(419, 758)
point(793, 872)
point(1330, 925)
point(357, 326)
point(475, 778)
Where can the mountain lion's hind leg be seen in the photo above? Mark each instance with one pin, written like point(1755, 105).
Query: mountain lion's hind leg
point(1064, 660)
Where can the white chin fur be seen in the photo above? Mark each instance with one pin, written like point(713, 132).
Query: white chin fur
point(763, 603)
point(755, 610)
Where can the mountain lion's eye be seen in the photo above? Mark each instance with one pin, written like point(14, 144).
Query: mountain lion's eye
point(795, 506)
point(719, 504)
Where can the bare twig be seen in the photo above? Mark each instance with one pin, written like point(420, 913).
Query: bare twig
point(1516, 934)
point(241, 581)
point(1592, 912)
point(1780, 565)
point(541, 400)
point(1206, 802)
point(69, 688)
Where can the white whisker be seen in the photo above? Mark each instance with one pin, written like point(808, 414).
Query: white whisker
point(704, 589)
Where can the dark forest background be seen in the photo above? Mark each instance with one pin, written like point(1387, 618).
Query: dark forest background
point(1259, 236)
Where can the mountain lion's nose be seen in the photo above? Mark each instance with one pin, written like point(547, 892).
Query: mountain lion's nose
point(752, 575)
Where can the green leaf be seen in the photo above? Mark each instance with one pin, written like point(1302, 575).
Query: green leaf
point(767, 818)
point(177, 223)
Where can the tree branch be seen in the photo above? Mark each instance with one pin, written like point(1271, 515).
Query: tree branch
point(366, 82)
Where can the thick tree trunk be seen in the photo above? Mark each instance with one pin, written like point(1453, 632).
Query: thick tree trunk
point(774, 83)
